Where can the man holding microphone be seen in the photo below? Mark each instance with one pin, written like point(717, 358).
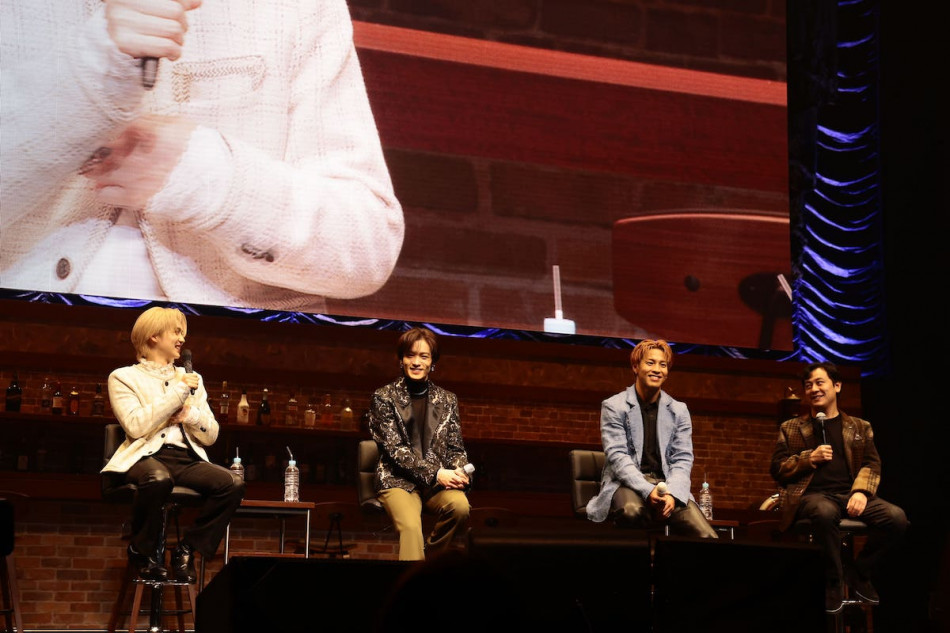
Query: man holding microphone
point(830, 468)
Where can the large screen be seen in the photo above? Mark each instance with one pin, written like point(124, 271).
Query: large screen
point(286, 157)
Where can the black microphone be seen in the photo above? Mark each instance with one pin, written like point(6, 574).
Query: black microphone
point(149, 72)
point(186, 361)
point(820, 416)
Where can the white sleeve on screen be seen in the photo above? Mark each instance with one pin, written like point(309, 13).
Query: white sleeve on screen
point(322, 219)
point(64, 90)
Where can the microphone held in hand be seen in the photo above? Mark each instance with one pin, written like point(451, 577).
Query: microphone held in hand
point(820, 416)
point(149, 72)
point(661, 489)
point(186, 361)
point(469, 469)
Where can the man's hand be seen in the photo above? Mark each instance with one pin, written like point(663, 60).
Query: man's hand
point(136, 164)
point(452, 479)
point(821, 454)
point(190, 379)
point(149, 28)
point(857, 503)
point(662, 504)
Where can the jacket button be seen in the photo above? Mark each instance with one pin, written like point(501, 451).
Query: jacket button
point(63, 268)
point(166, 383)
point(163, 435)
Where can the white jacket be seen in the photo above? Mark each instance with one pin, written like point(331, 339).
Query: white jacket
point(282, 196)
point(144, 398)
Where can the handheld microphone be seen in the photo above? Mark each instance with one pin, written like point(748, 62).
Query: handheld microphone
point(820, 416)
point(661, 489)
point(186, 361)
point(149, 72)
point(469, 469)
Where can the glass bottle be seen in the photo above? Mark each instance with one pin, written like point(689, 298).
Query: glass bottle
point(290, 416)
point(263, 411)
point(56, 408)
point(326, 413)
point(46, 397)
point(224, 402)
point(243, 409)
point(74, 401)
point(346, 414)
point(310, 415)
point(98, 402)
point(14, 394)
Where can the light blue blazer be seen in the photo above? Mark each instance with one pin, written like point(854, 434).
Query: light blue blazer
point(621, 430)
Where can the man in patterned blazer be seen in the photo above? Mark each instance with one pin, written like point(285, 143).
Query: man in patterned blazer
point(830, 468)
point(421, 466)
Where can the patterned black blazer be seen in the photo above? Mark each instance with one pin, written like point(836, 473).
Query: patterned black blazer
point(399, 465)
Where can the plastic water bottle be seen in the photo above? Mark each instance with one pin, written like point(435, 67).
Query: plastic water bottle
point(292, 482)
point(705, 501)
point(237, 467)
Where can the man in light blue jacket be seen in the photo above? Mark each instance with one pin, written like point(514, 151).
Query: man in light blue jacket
point(647, 438)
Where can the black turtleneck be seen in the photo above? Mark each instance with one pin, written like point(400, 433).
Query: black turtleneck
point(418, 433)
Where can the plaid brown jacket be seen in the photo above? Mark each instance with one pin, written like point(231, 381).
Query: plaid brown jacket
point(792, 469)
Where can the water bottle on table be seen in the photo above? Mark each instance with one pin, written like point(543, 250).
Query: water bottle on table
point(291, 479)
point(706, 501)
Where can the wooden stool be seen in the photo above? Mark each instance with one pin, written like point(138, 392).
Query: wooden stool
point(156, 610)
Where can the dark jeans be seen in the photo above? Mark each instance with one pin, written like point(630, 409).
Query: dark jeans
point(628, 509)
point(155, 477)
point(886, 521)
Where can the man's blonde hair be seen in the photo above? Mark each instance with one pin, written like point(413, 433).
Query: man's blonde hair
point(647, 344)
point(155, 322)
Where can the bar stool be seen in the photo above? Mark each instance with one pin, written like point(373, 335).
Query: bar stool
point(9, 592)
point(855, 614)
point(116, 490)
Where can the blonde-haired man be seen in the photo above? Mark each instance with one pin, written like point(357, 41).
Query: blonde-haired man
point(167, 422)
point(647, 438)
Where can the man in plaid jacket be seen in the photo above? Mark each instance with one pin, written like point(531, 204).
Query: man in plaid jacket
point(830, 468)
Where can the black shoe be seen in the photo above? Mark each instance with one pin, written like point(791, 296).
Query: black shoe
point(183, 564)
point(834, 600)
point(861, 586)
point(148, 567)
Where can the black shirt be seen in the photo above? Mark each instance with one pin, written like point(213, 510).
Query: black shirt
point(834, 476)
point(650, 463)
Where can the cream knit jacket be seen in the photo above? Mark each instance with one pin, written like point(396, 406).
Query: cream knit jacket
point(145, 399)
point(282, 196)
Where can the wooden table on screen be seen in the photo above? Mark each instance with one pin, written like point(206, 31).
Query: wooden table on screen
point(278, 510)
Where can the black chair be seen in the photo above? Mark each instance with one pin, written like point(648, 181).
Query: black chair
point(116, 490)
point(367, 458)
point(9, 592)
point(586, 470)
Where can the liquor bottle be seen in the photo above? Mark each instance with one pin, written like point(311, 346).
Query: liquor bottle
point(243, 409)
point(224, 402)
point(290, 417)
point(98, 402)
point(57, 404)
point(346, 414)
point(326, 413)
point(46, 399)
point(310, 415)
point(263, 411)
point(74, 401)
point(14, 394)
